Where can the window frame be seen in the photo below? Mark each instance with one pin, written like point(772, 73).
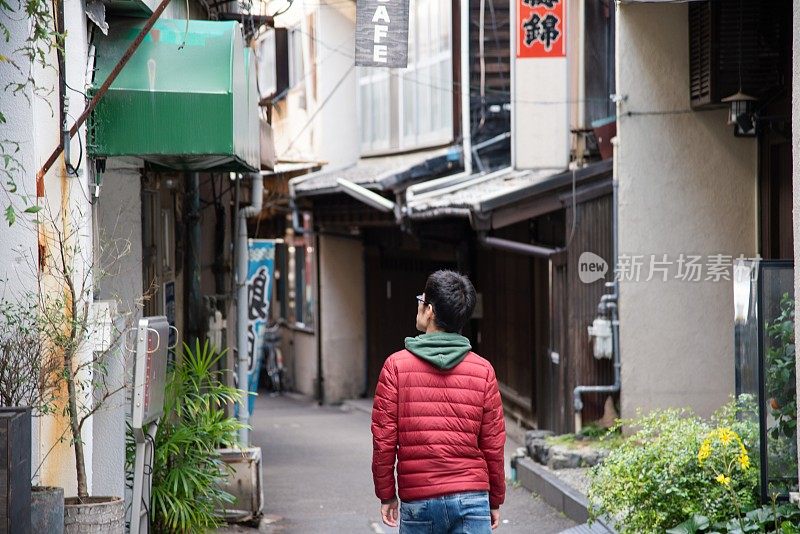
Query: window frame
point(398, 139)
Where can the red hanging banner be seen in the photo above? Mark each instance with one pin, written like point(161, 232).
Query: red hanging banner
point(541, 28)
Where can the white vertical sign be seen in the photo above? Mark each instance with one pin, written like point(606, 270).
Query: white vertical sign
point(540, 85)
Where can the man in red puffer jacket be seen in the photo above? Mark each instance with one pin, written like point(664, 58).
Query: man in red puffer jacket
point(437, 410)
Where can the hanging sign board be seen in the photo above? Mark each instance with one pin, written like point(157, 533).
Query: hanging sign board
point(540, 85)
point(382, 33)
point(541, 28)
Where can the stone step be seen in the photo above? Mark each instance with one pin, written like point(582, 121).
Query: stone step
point(557, 494)
point(586, 528)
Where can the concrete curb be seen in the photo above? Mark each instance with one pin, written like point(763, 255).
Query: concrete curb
point(556, 493)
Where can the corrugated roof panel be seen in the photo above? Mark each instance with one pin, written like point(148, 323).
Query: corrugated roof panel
point(367, 172)
point(182, 101)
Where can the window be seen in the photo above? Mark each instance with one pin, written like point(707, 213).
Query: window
point(267, 74)
point(297, 65)
point(296, 68)
point(303, 253)
point(290, 60)
point(403, 109)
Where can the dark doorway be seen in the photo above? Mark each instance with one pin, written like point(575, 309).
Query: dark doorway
point(396, 270)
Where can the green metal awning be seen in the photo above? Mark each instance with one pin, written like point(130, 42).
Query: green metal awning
point(186, 99)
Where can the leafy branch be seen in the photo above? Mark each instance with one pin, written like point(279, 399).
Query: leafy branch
point(35, 50)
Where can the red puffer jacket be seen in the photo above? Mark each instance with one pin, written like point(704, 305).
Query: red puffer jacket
point(445, 427)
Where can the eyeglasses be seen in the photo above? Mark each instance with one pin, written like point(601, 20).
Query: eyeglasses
point(421, 299)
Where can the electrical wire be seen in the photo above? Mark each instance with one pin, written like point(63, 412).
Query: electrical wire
point(70, 169)
point(451, 90)
point(664, 112)
point(284, 10)
point(319, 108)
point(186, 29)
point(481, 45)
point(497, 40)
point(574, 212)
point(148, 471)
point(77, 91)
point(312, 69)
point(457, 84)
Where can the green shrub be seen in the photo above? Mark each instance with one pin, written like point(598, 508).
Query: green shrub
point(654, 480)
point(187, 469)
point(769, 519)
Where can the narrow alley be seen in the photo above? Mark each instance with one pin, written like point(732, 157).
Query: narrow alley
point(317, 478)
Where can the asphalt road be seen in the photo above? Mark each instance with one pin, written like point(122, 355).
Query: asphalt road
point(317, 475)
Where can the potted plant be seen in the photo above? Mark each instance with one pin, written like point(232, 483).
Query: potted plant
point(79, 341)
point(26, 380)
point(188, 472)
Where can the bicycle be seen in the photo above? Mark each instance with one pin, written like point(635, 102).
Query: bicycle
point(273, 362)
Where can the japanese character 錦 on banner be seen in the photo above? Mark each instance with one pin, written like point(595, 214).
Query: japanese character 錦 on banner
point(541, 28)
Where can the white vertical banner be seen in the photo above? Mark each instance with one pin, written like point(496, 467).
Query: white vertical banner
point(540, 84)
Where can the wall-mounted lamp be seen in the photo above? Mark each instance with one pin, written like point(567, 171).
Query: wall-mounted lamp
point(742, 114)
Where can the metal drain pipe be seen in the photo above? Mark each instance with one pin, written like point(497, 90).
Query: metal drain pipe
point(607, 306)
point(256, 203)
point(526, 249)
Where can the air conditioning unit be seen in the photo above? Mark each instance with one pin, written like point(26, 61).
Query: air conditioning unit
point(736, 45)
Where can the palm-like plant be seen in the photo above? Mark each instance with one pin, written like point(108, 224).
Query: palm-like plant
point(187, 469)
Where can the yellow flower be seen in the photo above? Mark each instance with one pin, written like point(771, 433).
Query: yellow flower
point(726, 435)
point(744, 461)
point(705, 451)
point(722, 479)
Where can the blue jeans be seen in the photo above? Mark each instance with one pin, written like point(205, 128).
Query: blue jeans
point(458, 513)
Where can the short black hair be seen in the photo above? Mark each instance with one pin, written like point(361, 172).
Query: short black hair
point(453, 298)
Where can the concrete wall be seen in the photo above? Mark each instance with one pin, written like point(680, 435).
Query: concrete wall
point(337, 138)
point(686, 185)
point(19, 241)
point(318, 118)
point(300, 351)
point(343, 309)
point(119, 222)
point(32, 120)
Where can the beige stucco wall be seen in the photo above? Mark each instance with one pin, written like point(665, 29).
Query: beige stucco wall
point(337, 137)
point(119, 220)
point(686, 185)
point(302, 360)
point(343, 309)
point(318, 118)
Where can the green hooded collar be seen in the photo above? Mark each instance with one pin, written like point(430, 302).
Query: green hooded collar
point(445, 350)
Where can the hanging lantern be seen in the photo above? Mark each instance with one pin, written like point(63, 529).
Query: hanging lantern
point(742, 113)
